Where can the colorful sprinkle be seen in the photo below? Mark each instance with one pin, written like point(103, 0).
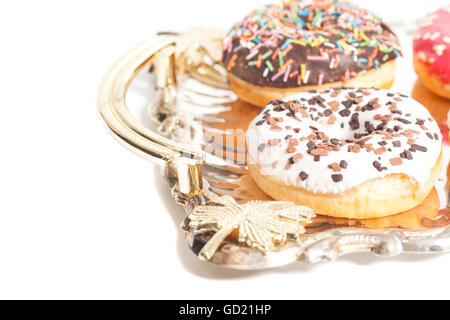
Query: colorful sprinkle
point(292, 43)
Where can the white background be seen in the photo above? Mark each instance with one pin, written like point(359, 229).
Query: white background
point(82, 217)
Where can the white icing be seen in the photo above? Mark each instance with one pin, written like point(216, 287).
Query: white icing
point(360, 165)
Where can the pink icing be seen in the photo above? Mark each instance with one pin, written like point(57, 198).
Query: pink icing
point(432, 43)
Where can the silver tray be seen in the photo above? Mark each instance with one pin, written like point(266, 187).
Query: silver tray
point(192, 133)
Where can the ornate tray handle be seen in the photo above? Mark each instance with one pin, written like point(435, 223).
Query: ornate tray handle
point(186, 161)
point(261, 225)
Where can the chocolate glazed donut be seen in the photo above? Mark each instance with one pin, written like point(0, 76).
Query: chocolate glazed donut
point(303, 45)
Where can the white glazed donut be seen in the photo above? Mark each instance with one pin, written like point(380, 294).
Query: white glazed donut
point(355, 153)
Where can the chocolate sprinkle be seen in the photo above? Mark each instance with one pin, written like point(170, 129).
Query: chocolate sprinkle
point(417, 147)
point(347, 103)
point(377, 165)
point(303, 175)
point(404, 121)
point(354, 123)
point(343, 164)
point(337, 177)
point(345, 112)
point(406, 155)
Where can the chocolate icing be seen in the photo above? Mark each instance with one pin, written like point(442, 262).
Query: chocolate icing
point(267, 29)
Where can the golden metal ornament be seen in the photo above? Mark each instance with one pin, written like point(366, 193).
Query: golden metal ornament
point(198, 43)
point(259, 224)
point(199, 54)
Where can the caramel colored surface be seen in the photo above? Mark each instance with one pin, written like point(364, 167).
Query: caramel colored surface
point(437, 105)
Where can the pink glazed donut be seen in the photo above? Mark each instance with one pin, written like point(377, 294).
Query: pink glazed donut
point(432, 52)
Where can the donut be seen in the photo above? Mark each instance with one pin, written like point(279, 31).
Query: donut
point(432, 52)
point(448, 123)
point(347, 152)
point(437, 105)
point(303, 45)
